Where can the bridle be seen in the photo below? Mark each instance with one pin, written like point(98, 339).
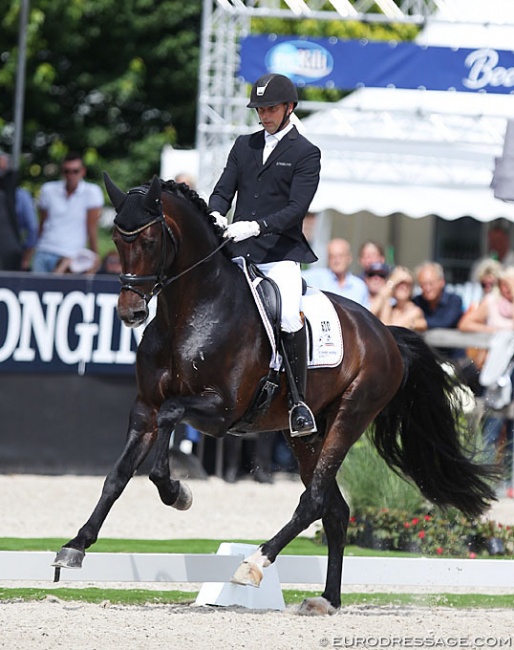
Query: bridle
point(130, 281)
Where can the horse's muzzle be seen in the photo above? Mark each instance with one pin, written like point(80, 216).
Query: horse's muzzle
point(132, 309)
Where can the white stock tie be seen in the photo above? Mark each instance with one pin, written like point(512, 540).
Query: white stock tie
point(270, 143)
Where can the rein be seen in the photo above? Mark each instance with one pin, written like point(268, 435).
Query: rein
point(161, 280)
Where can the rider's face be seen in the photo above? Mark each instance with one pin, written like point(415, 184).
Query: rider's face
point(271, 116)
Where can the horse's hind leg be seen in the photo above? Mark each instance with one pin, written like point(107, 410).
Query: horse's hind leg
point(140, 439)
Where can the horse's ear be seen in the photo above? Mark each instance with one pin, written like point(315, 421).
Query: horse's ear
point(116, 195)
point(153, 196)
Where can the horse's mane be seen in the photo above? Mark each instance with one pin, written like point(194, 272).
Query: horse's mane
point(183, 191)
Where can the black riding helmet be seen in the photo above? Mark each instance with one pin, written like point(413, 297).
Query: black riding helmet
point(272, 89)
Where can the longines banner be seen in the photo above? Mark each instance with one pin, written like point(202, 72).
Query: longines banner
point(331, 63)
point(64, 324)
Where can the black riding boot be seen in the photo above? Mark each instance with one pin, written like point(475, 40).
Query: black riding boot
point(301, 419)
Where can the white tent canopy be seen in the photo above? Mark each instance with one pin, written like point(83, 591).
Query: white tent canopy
point(419, 152)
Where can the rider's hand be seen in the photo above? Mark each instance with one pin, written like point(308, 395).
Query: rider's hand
point(220, 220)
point(241, 230)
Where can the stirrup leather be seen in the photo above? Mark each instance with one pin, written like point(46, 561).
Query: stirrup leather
point(301, 420)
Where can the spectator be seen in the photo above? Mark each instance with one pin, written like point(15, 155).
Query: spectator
point(337, 278)
point(441, 308)
point(186, 178)
point(370, 253)
point(69, 213)
point(498, 244)
point(495, 313)
point(375, 276)
point(111, 264)
point(397, 307)
point(85, 262)
point(18, 221)
point(498, 247)
point(486, 274)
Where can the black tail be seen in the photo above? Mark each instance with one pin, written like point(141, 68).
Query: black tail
point(417, 433)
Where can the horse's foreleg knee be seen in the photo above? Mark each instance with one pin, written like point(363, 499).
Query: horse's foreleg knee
point(172, 492)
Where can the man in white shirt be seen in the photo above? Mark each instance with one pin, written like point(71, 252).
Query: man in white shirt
point(337, 278)
point(69, 212)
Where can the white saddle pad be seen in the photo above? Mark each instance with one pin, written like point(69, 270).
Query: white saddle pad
point(327, 338)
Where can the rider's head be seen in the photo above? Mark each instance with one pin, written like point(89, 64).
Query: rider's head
point(274, 97)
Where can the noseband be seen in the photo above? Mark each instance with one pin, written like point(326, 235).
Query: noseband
point(129, 281)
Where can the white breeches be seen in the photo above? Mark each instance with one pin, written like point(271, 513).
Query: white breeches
point(288, 277)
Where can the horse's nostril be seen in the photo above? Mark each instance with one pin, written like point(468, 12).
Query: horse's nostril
point(140, 316)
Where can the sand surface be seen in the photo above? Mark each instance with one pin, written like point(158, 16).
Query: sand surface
point(37, 506)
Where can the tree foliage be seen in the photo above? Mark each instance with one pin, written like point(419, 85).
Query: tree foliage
point(117, 80)
point(114, 79)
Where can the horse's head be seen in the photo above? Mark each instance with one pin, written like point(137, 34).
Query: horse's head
point(146, 245)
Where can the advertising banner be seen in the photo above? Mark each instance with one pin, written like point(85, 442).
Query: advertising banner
point(350, 64)
point(64, 324)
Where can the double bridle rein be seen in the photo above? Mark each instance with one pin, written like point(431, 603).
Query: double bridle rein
point(130, 281)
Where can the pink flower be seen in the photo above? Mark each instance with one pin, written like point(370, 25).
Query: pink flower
point(472, 556)
point(439, 550)
point(421, 534)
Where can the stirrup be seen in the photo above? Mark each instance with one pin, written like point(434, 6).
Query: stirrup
point(299, 412)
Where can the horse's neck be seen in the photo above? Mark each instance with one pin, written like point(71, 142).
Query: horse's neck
point(210, 286)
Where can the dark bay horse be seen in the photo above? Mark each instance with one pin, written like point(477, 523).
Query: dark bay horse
point(203, 355)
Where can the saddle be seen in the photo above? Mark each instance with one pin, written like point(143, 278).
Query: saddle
point(269, 294)
point(270, 300)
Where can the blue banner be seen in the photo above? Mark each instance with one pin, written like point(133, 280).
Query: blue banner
point(64, 324)
point(331, 63)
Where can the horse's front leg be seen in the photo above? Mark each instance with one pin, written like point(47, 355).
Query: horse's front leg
point(140, 438)
point(172, 492)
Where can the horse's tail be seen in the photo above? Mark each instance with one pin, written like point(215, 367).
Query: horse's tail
point(417, 433)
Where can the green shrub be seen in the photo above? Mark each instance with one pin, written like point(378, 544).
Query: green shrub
point(389, 513)
point(368, 482)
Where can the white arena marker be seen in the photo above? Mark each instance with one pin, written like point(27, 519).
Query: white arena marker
point(226, 594)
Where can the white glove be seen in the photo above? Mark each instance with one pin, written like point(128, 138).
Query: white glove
point(241, 230)
point(220, 220)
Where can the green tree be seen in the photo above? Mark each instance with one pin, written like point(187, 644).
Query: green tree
point(114, 79)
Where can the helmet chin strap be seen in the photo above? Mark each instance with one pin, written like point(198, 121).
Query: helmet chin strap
point(284, 119)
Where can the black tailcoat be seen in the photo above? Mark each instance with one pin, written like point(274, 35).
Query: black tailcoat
point(276, 194)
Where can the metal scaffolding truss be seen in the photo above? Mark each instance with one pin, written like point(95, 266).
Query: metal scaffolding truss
point(222, 112)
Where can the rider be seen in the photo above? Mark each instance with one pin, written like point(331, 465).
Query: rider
point(275, 173)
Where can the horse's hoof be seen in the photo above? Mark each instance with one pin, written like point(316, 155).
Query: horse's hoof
point(318, 606)
point(185, 498)
point(69, 558)
point(247, 574)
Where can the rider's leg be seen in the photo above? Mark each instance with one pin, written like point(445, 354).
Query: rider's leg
point(288, 278)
